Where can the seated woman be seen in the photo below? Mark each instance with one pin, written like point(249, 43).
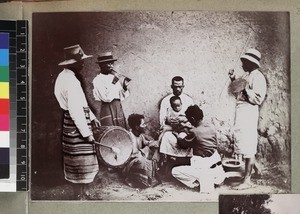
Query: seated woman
point(141, 170)
point(205, 168)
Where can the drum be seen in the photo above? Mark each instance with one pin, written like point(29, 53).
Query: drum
point(112, 136)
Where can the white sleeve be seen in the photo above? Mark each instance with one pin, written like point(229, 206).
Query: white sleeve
point(76, 102)
point(257, 94)
point(123, 94)
point(163, 111)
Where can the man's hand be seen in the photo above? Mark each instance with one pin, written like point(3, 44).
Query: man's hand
point(96, 123)
point(154, 144)
point(90, 139)
point(231, 74)
point(126, 83)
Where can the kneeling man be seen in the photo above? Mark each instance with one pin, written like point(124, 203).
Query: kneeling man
point(205, 168)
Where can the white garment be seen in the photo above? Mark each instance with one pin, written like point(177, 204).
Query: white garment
point(70, 96)
point(165, 104)
point(104, 90)
point(170, 147)
point(200, 171)
point(168, 144)
point(256, 87)
point(246, 116)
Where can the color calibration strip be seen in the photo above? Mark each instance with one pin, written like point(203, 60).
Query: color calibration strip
point(4, 106)
point(17, 86)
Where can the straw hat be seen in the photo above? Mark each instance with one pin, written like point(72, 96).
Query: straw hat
point(73, 54)
point(252, 55)
point(105, 57)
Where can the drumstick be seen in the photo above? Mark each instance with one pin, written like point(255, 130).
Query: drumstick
point(114, 149)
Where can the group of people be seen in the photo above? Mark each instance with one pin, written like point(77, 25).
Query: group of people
point(187, 146)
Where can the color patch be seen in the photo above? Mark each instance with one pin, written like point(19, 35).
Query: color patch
point(4, 74)
point(4, 155)
point(4, 123)
point(4, 57)
point(4, 106)
point(4, 38)
point(4, 90)
point(4, 139)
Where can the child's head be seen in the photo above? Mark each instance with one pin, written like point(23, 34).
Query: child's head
point(176, 104)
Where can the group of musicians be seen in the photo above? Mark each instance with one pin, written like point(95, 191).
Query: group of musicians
point(187, 147)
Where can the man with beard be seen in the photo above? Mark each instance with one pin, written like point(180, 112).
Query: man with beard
point(79, 156)
point(141, 170)
point(174, 155)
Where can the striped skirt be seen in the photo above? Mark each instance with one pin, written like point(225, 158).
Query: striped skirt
point(112, 114)
point(79, 156)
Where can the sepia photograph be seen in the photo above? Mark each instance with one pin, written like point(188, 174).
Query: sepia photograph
point(259, 204)
point(176, 106)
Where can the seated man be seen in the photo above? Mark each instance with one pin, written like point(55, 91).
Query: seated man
point(141, 170)
point(206, 167)
point(173, 154)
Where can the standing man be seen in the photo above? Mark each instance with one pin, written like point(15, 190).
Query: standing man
point(110, 90)
point(246, 115)
point(174, 155)
point(79, 156)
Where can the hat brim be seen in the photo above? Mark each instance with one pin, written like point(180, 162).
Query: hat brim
point(106, 60)
point(251, 59)
point(72, 61)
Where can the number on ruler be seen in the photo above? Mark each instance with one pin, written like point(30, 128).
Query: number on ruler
point(23, 162)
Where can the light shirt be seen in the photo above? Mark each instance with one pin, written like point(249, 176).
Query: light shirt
point(70, 96)
point(104, 90)
point(256, 87)
point(165, 105)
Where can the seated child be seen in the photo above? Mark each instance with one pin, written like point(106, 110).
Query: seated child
point(175, 120)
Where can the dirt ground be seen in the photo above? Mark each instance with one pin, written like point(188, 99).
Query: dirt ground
point(109, 186)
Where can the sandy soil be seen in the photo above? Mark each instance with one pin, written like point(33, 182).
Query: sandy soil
point(110, 187)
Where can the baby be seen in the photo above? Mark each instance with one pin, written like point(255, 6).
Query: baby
point(175, 120)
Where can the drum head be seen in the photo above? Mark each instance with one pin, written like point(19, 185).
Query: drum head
point(113, 136)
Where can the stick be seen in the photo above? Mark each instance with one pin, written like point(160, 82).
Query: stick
point(242, 51)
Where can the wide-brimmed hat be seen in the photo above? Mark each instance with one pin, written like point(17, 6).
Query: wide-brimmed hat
point(105, 57)
point(73, 54)
point(252, 55)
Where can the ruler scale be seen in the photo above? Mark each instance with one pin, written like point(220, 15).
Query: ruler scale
point(18, 91)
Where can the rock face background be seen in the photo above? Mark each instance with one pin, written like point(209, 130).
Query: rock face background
point(151, 48)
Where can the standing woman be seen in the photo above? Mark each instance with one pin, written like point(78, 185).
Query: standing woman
point(110, 90)
point(79, 156)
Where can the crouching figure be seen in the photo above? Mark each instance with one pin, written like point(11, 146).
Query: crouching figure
point(141, 170)
point(205, 169)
